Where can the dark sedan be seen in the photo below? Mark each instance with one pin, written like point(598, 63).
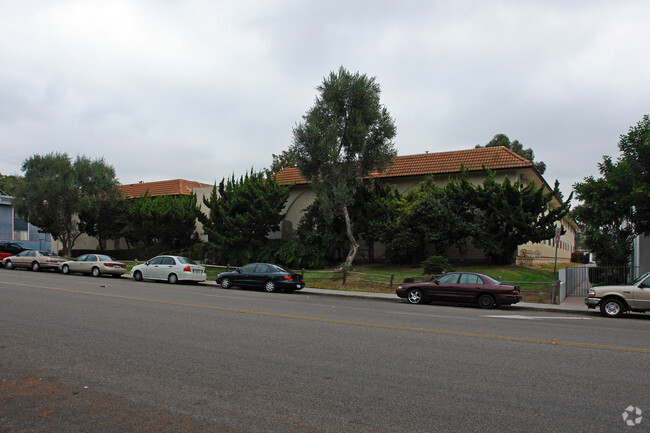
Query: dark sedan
point(272, 278)
point(461, 287)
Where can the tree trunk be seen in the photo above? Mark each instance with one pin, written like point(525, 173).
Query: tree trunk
point(354, 246)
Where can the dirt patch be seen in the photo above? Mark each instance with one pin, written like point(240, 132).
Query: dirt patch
point(30, 403)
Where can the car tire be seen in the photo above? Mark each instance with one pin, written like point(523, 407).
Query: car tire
point(36, 266)
point(9, 265)
point(269, 286)
point(225, 283)
point(65, 269)
point(612, 308)
point(486, 301)
point(172, 279)
point(137, 276)
point(95, 272)
point(415, 296)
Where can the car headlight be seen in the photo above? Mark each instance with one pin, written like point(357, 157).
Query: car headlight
point(591, 293)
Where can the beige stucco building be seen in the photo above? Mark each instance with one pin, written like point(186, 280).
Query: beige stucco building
point(407, 172)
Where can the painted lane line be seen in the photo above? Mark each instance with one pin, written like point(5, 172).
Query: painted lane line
point(348, 322)
point(522, 317)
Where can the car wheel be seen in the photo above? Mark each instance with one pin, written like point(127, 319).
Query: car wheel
point(137, 276)
point(9, 265)
point(225, 283)
point(269, 286)
point(486, 301)
point(65, 269)
point(36, 267)
point(415, 296)
point(95, 272)
point(612, 308)
point(172, 278)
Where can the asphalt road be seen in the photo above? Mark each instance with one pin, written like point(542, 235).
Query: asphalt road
point(113, 355)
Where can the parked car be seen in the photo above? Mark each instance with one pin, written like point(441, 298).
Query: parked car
point(10, 249)
point(262, 275)
point(617, 299)
point(95, 265)
point(170, 268)
point(36, 260)
point(461, 287)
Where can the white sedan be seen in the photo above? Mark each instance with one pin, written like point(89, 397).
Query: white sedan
point(170, 268)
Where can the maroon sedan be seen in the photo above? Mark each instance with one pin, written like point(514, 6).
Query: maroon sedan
point(461, 287)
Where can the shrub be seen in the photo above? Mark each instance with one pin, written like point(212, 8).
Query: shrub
point(435, 265)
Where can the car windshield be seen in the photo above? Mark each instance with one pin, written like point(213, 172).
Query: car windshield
point(641, 278)
point(48, 253)
point(103, 258)
point(185, 261)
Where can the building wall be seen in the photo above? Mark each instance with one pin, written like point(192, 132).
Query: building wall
point(6, 223)
point(14, 229)
point(642, 251)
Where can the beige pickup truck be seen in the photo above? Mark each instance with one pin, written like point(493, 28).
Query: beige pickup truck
point(616, 300)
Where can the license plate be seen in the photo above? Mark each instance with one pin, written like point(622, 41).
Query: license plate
point(196, 271)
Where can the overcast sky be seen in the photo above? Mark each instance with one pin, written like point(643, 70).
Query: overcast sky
point(201, 90)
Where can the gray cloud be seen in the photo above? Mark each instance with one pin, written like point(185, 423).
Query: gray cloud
point(201, 90)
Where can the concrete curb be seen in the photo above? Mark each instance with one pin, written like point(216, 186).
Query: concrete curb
point(569, 308)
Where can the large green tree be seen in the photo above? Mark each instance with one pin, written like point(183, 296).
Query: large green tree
point(616, 206)
point(241, 215)
point(431, 219)
point(9, 184)
point(346, 135)
point(166, 221)
point(510, 214)
point(56, 190)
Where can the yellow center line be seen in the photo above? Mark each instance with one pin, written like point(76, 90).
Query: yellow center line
point(345, 322)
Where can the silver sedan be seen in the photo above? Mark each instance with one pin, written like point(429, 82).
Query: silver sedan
point(36, 260)
point(95, 265)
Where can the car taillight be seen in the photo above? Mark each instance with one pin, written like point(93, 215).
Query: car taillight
point(287, 277)
point(112, 265)
point(187, 269)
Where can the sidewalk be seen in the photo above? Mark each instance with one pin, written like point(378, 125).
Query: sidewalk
point(569, 305)
point(572, 305)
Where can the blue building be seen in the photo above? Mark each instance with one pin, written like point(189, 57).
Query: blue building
point(14, 229)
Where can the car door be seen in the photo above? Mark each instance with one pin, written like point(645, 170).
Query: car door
point(468, 287)
point(77, 264)
point(245, 277)
point(167, 266)
point(25, 258)
point(641, 295)
point(258, 277)
point(152, 270)
point(443, 288)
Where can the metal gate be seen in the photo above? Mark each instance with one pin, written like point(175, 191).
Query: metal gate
point(580, 279)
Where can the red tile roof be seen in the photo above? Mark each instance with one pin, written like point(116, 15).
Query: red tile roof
point(163, 187)
point(493, 158)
